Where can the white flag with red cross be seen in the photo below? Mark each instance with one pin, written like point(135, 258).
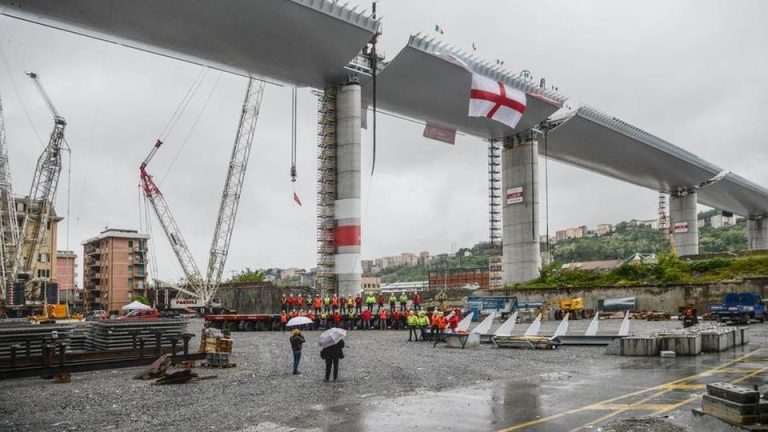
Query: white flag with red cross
point(496, 100)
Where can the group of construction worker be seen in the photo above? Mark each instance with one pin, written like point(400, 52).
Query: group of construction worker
point(344, 305)
point(366, 312)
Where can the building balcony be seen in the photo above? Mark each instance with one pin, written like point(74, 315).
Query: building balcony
point(94, 251)
point(95, 276)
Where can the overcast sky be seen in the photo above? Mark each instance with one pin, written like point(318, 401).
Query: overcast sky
point(692, 72)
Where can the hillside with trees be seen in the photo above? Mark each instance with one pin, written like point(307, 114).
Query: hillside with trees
point(625, 240)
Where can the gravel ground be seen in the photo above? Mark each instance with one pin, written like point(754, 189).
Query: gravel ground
point(261, 394)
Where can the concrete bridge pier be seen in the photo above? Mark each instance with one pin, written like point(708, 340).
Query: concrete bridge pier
point(683, 217)
point(520, 185)
point(757, 233)
point(347, 206)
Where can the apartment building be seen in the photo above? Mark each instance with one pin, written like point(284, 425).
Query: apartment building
point(66, 273)
point(114, 268)
point(45, 267)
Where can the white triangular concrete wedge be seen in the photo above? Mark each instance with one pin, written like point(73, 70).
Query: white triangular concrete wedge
point(466, 322)
point(533, 329)
point(506, 328)
point(624, 329)
point(592, 329)
point(562, 329)
point(485, 326)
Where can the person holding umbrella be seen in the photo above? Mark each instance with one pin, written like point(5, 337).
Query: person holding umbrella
point(297, 340)
point(331, 345)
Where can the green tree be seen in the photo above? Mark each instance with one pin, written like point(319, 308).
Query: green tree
point(248, 275)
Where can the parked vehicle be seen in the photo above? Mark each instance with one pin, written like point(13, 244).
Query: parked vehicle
point(96, 315)
point(141, 314)
point(739, 307)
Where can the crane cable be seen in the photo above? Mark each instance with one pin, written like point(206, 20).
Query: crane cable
point(192, 128)
point(183, 104)
point(293, 135)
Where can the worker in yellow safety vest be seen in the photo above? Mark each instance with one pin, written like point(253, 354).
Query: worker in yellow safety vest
point(403, 301)
point(370, 300)
point(327, 303)
point(392, 302)
point(413, 323)
point(423, 324)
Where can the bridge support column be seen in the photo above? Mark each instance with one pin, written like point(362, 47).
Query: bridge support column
point(757, 233)
point(684, 223)
point(347, 206)
point(520, 186)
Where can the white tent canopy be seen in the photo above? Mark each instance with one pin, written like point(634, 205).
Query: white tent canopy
point(136, 305)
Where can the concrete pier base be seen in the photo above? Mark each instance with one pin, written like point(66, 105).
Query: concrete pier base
point(520, 186)
point(684, 223)
point(757, 233)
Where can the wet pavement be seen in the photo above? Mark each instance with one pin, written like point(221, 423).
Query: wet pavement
point(389, 384)
point(599, 394)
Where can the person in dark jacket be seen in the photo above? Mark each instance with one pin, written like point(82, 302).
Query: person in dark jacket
point(331, 355)
point(297, 340)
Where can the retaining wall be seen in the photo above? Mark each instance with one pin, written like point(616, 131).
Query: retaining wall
point(665, 298)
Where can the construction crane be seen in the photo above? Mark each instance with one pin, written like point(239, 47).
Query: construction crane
point(8, 224)
point(41, 197)
point(205, 289)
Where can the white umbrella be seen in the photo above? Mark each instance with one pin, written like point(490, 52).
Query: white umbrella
point(299, 321)
point(331, 337)
point(136, 305)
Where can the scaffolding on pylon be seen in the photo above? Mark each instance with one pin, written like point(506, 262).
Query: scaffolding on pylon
point(663, 220)
point(494, 192)
point(326, 189)
point(495, 273)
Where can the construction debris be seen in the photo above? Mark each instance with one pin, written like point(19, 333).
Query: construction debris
point(182, 377)
point(156, 369)
point(650, 315)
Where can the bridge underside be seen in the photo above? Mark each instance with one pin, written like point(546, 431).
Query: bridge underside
point(299, 42)
point(424, 82)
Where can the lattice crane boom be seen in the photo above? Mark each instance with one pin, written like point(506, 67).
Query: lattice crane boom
point(168, 223)
point(42, 194)
point(233, 186)
point(8, 223)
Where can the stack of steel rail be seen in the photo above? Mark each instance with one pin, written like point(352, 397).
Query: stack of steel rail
point(49, 349)
point(29, 338)
point(109, 335)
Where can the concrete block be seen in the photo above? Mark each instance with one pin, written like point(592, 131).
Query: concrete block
point(733, 393)
point(667, 354)
point(682, 345)
point(741, 335)
point(722, 412)
point(717, 341)
point(640, 347)
point(735, 408)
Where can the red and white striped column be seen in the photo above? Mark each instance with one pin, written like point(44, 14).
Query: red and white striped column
point(347, 205)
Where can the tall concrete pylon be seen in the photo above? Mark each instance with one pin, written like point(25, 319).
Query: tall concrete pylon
point(520, 186)
point(757, 233)
point(347, 206)
point(683, 216)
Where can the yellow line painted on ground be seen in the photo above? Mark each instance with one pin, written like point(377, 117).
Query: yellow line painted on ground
point(613, 407)
point(684, 386)
point(639, 392)
point(628, 407)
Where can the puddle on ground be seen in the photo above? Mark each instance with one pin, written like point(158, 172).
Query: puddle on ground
point(471, 409)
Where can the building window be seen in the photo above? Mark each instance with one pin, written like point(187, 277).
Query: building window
point(20, 207)
point(43, 273)
point(43, 257)
point(130, 281)
point(130, 243)
point(130, 269)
